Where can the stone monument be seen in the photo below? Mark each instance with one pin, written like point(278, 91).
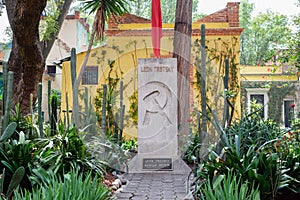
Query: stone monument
point(157, 118)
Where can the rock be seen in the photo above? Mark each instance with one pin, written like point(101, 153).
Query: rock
point(113, 188)
point(117, 183)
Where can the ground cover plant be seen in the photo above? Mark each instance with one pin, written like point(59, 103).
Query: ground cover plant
point(73, 185)
point(257, 153)
point(34, 160)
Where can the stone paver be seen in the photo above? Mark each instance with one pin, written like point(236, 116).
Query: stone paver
point(154, 186)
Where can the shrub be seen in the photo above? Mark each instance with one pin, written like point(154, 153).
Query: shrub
point(73, 185)
point(229, 186)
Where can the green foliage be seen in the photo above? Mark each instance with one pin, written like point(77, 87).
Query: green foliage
point(288, 147)
point(27, 124)
point(133, 109)
point(49, 25)
point(110, 153)
point(231, 187)
point(130, 145)
point(10, 129)
point(292, 54)
point(66, 151)
point(73, 185)
point(192, 152)
point(263, 36)
point(111, 99)
point(253, 154)
point(216, 56)
point(16, 157)
point(13, 184)
point(143, 8)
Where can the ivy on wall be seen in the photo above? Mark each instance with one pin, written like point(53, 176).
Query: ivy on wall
point(278, 91)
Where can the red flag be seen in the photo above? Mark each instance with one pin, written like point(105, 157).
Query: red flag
point(156, 27)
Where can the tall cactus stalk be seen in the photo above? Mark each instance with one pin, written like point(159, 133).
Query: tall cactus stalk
point(226, 107)
point(121, 94)
point(203, 81)
point(4, 87)
point(121, 124)
point(67, 111)
point(103, 119)
point(86, 100)
point(53, 114)
point(39, 95)
point(73, 66)
point(31, 110)
point(122, 107)
point(75, 107)
point(49, 99)
point(10, 79)
point(116, 130)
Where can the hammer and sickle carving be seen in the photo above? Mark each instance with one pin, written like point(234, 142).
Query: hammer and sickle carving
point(156, 102)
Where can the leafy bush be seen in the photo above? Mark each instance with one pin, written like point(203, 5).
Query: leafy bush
point(228, 186)
point(15, 154)
point(65, 151)
point(73, 185)
point(250, 154)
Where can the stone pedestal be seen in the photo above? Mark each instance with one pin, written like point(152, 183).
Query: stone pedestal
point(157, 118)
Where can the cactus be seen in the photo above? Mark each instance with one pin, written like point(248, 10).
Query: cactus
point(53, 114)
point(203, 80)
point(116, 128)
point(121, 94)
point(10, 129)
point(67, 111)
point(75, 106)
point(225, 81)
point(8, 99)
point(73, 66)
point(121, 124)
point(49, 99)
point(121, 111)
point(15, 181)
point(86, 100)
point(4, 90)
point(103, 120)
point(18, 174)
point(39, 94)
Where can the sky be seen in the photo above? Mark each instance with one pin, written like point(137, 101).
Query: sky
point(286, 7)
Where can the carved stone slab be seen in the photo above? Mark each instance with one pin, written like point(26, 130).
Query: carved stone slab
point(157, 107)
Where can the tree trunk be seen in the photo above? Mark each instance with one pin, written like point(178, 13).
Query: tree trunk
point(26, 59)
point(182, 51)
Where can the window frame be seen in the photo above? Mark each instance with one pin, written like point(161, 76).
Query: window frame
point(85, 78)
point(283, 110)
point(258, 91)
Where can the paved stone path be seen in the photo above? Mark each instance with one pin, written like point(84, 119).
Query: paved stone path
point(154, 186)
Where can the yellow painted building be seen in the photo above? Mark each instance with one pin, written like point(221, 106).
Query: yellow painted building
point(129, 38)
point(274, 87)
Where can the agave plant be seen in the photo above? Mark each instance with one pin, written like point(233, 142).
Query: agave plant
point(73, 185)
point(12, 172)
point(231, 187)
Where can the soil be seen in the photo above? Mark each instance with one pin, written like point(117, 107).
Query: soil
point(287, 195)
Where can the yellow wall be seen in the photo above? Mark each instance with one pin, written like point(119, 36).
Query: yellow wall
point(267, 73)
point(135, 47)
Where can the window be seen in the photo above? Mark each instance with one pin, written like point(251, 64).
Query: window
point(90, 76)
point(260, 97)
point(51, 70)
point(260, 100)
point(288, 112)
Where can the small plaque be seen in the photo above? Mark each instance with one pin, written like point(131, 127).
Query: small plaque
point(157, 164)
